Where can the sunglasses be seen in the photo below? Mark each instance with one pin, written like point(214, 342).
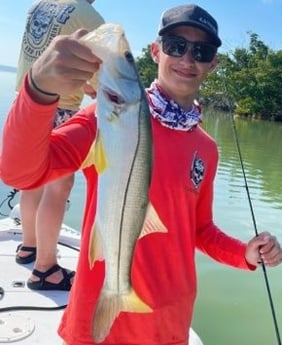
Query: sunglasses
point(177, 46)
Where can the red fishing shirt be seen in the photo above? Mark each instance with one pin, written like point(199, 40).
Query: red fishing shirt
point(163, 268)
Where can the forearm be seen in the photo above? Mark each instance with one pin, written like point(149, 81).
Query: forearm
point(222, 247)
point(26, 135)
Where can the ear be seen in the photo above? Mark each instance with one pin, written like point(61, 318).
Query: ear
point(155, 51)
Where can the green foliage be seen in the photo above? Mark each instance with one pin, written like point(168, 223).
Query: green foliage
point(249, 80)
point(147, 67)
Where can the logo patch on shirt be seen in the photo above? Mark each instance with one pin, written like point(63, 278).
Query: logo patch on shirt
point(197, 170)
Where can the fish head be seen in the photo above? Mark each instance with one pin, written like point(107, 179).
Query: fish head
point(117, 82)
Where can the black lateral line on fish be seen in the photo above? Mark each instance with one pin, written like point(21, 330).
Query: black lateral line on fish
point(125, 196)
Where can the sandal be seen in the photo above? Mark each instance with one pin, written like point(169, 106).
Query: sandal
point(42, 284)
point(25, 259)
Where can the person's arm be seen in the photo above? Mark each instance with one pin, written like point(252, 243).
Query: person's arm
point(209, 238)
point(227, 249)
point(25, 139)
point(30, 157)
point(33, 153)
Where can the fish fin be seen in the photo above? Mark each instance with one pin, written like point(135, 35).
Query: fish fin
point(110, 306)
point(96, 155)
point(133, 303)
point(95, 249)
point(89, 160)
point(152, 222)
point(100, 159)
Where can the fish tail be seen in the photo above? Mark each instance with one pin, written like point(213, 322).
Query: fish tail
point(108, 309)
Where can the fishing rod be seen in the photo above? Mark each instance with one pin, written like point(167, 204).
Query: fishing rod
point(268, 289)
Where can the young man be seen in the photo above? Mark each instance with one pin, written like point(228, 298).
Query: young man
point(163, 269)
point(42, 209)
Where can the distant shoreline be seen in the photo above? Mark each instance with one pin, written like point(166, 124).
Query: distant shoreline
point(8, 69)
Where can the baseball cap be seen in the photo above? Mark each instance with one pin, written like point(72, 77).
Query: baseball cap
point(190, 15)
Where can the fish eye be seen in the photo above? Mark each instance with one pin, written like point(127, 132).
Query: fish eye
point(129, 57)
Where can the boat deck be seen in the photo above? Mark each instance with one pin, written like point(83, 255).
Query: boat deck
point(30, 327)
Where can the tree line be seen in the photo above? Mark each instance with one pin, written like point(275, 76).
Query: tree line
point(246, 81)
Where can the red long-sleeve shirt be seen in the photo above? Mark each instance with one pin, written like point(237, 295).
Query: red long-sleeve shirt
point(163, 268)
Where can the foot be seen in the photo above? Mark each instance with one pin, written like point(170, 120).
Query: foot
point(25, 255)
point(55, 278)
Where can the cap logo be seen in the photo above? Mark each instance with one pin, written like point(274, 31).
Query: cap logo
point(206, 22)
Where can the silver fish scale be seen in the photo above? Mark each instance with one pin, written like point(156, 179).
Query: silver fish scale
point(123, 188)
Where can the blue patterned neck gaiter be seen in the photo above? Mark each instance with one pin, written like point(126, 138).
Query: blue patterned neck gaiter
point(169, 113)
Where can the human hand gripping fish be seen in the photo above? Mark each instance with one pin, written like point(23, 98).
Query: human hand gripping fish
point(122, 153)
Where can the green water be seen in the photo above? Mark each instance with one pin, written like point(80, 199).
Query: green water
point(232, 307)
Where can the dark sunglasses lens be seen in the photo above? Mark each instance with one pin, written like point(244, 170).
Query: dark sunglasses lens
point(177, 47)
point(174, 46)
point(203, 52)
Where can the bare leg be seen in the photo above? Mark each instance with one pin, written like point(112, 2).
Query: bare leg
point(29, 201)
point(49, 218)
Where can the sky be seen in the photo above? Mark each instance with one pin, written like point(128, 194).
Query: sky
point(140, 20)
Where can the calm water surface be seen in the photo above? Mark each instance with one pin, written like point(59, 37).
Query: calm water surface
point(232, 307)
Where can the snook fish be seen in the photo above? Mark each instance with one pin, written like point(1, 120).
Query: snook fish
point(122, 153)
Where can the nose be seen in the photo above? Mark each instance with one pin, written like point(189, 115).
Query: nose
point(187, 57)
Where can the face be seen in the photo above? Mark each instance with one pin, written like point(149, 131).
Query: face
point(181, 77)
